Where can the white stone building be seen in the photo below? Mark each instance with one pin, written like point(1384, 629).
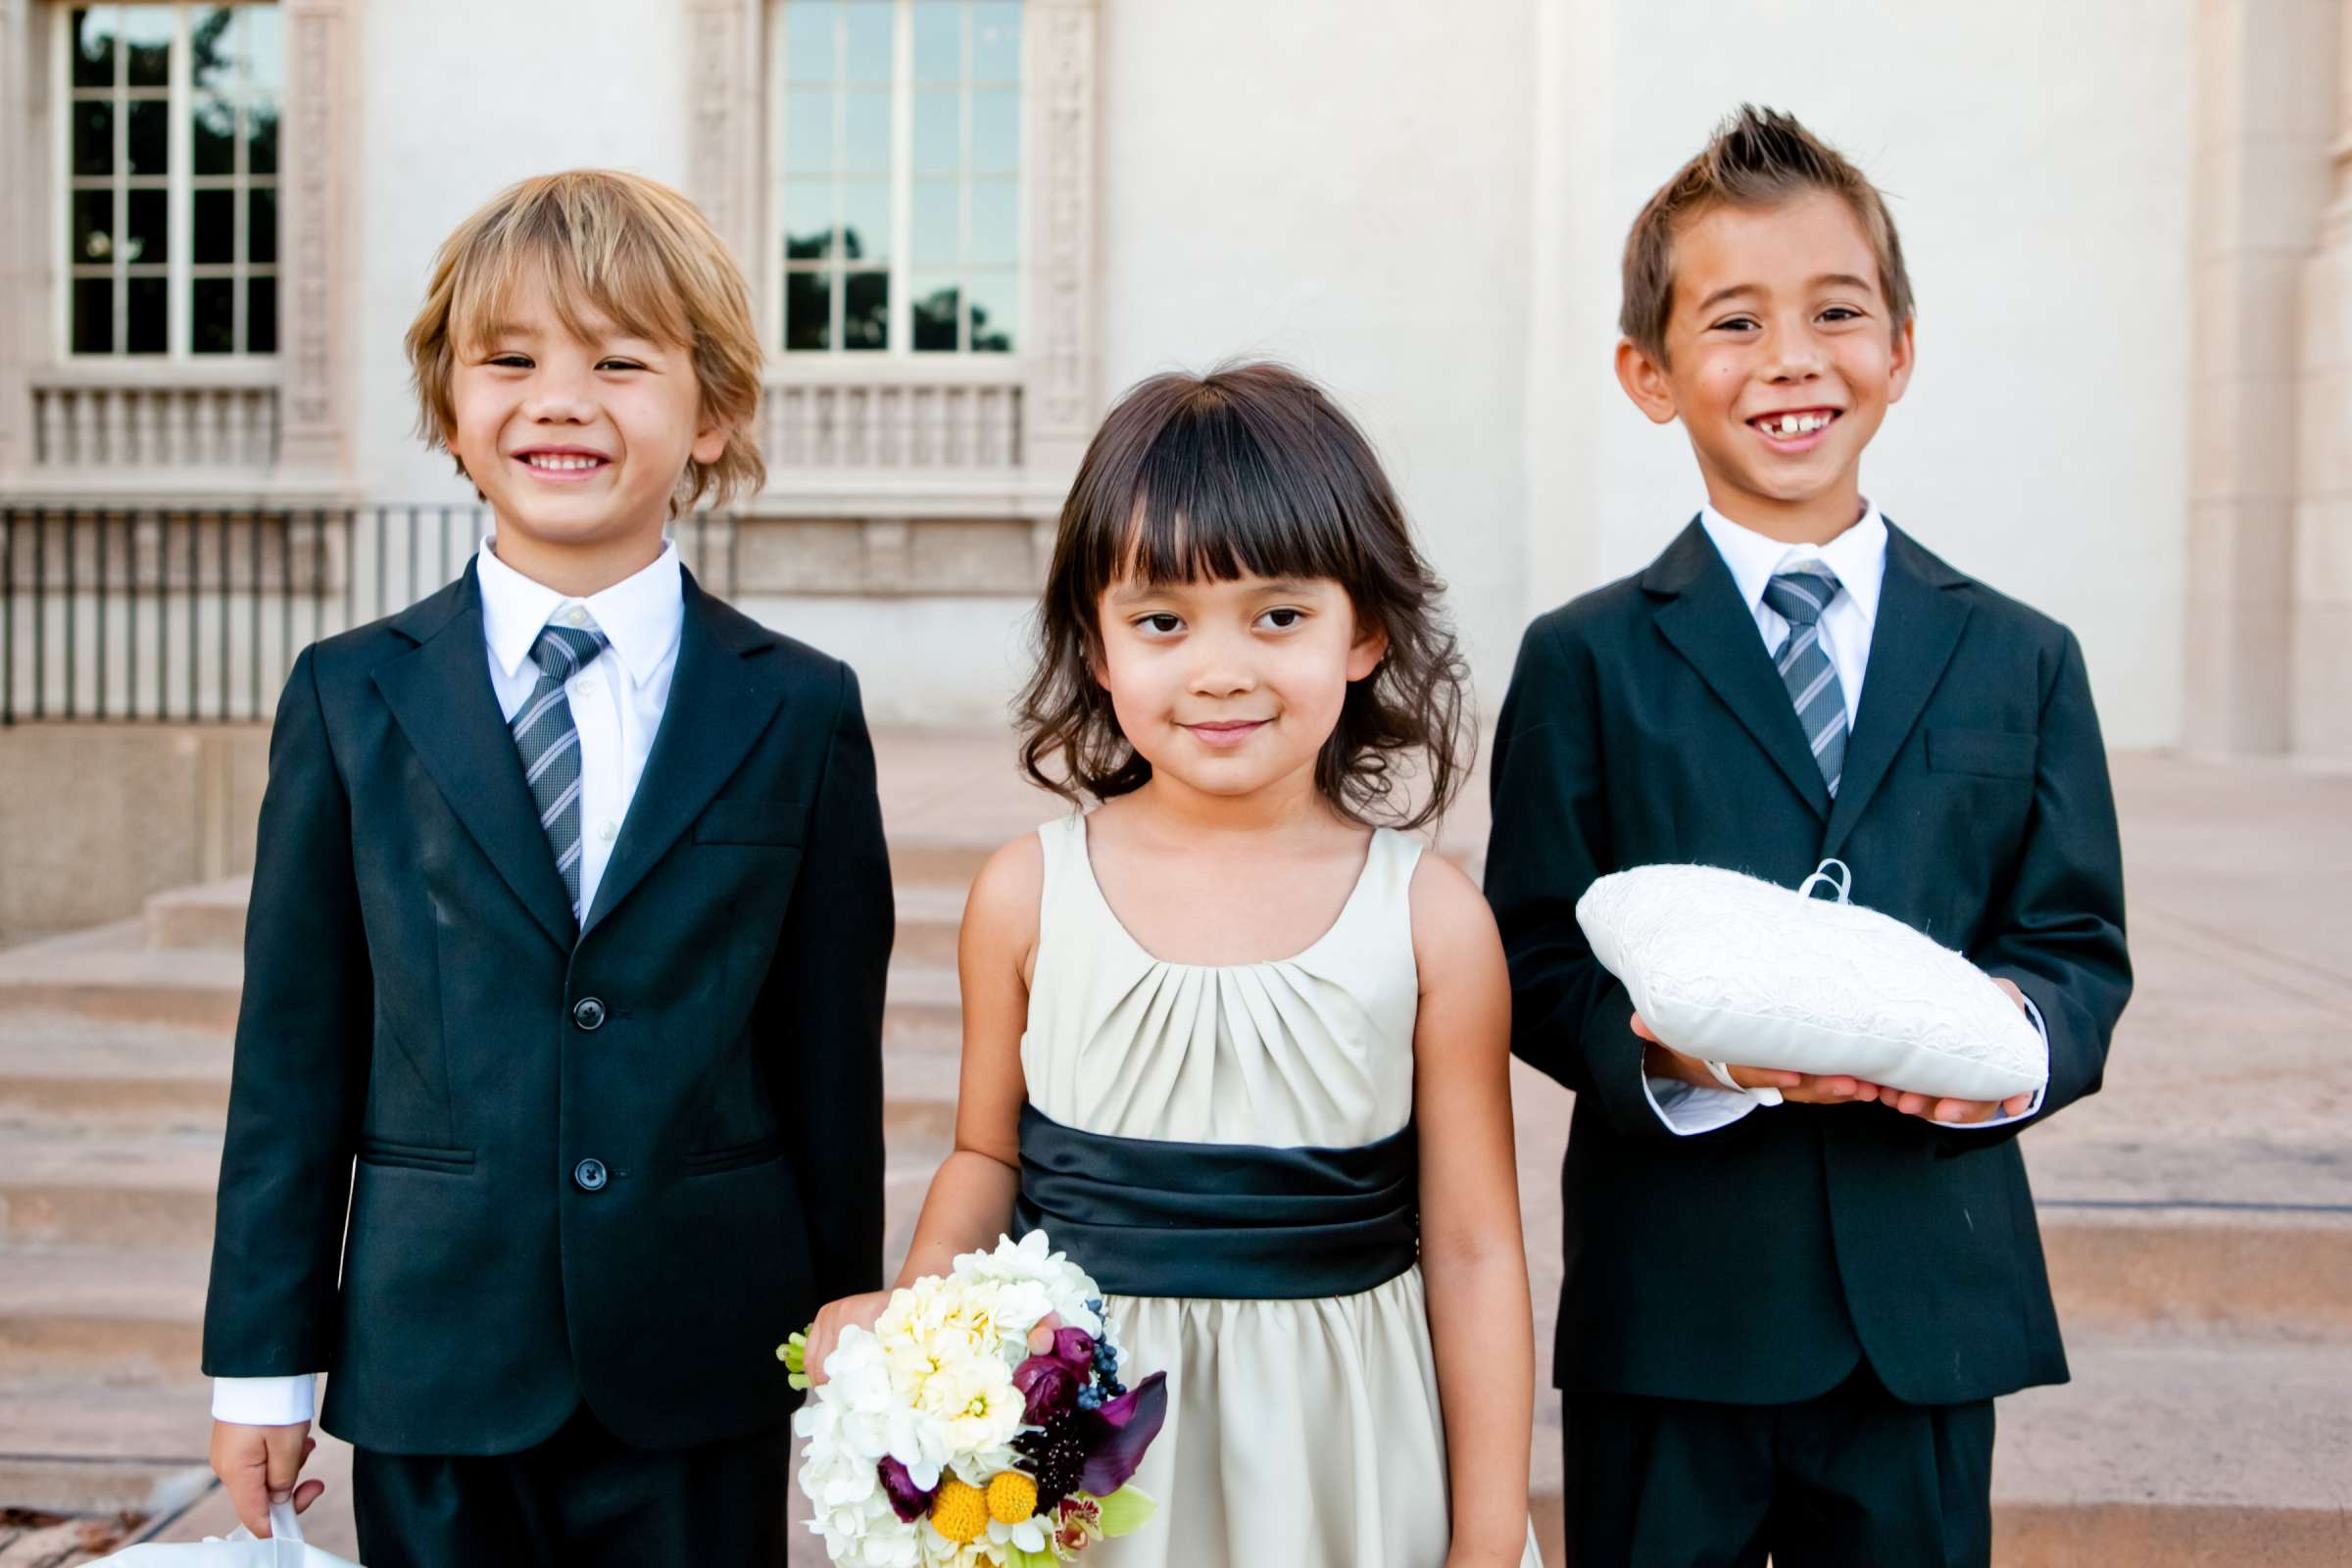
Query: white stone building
point(2127, 224)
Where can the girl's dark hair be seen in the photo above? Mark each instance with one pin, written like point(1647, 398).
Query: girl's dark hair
point(1249, 470)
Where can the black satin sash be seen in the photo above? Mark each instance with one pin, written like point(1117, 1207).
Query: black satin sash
point(1233, 1220)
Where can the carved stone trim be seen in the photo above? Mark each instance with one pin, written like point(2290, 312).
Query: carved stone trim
point(1061, 91)
point(726, 74)
point(884, 557)
point(19, 294)
point(315, 335)
point(1059, 391)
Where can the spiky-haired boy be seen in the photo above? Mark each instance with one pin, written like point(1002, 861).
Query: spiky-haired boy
point(1790, 1301)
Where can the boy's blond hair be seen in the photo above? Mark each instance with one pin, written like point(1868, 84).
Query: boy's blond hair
point(1757, 158)
point(625, 246)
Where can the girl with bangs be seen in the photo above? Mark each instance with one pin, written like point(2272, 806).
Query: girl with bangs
point(1230, 1036)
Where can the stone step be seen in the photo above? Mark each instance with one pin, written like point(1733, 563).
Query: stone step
point(129, 1317)
point(119, 1315)
point(212, 915)
point(107, 1189)
point(207, 914)
point(924, 1000)
point(2161, 1454)
point(135, 1193)
point(91, 1447)
point(109, 973)
point(945, 860)
point(90, 1417)
point(2168, 1454)
point(2258, 1271)
point(930, 916)
point(60, 1071)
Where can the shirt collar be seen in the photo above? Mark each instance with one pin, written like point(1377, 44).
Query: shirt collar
point(1857, 555)
point(640, 615)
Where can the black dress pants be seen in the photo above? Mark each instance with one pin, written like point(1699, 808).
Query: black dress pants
point(581, 1499)
point(1854, 1479)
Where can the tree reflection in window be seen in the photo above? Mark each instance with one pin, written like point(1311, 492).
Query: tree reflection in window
point(171, 166)
point(853, 75)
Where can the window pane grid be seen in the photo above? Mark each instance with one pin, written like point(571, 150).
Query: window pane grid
point(938, 237)
point(171, 177)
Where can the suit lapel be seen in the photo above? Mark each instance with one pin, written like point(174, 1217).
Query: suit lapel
point(721, 700)
point(1926, 622)
point(1709, 627)
point(440, 695)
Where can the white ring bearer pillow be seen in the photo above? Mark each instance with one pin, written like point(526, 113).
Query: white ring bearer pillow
point(285, 1548)
point(1726, 967)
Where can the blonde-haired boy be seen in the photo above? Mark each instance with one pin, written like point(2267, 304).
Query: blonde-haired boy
point(569, 921)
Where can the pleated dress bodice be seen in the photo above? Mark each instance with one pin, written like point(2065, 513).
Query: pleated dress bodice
point(1311, 1050)
point(1303, 1431)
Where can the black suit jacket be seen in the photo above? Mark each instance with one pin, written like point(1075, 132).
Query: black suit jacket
point(1756, 1264)
point(416, 1001)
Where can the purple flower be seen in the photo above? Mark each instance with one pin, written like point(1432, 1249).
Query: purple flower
point(907, 1500)
point(1074, 1348)
point(1046, 1385)
point(1116, 1435)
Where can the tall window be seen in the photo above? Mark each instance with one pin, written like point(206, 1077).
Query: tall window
point(171, 160)
point(897, 159)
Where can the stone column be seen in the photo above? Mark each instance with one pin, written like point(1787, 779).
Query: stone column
point(316, 286)
point(1063, 394)
point(2264, 115)
point(2321, 680)
point(726, 67)
point(19, 105)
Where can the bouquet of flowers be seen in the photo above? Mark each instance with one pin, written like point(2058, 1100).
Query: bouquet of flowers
point(982, 1424)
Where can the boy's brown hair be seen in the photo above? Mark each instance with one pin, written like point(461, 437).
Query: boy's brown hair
point(1757, 158)
point(628, 247)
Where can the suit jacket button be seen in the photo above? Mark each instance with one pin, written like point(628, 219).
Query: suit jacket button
point(588, 1013)
point(589, 1174)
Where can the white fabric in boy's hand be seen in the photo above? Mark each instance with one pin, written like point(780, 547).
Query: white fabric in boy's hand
point(285, 1548)
point(1726, 967)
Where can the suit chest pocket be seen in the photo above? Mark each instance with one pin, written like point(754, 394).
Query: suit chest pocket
point(779, 823)
point(1984, 752)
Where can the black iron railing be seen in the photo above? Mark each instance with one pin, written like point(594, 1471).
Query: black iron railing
point(195, 615)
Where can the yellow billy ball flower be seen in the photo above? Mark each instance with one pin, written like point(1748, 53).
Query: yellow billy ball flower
point(959, 1511)
point(1011, 1497)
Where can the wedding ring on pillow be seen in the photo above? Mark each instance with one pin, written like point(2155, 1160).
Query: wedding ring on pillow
point(1765, 1096)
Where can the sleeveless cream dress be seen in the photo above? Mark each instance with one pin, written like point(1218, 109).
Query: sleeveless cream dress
point(1300, 1433)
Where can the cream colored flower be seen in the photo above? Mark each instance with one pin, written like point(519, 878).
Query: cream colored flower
point(971, 1405)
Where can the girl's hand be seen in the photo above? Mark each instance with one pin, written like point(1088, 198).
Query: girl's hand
point(825, 1334)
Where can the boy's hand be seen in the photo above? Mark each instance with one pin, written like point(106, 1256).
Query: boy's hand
point(1661, 1061)
point(1961, 1112)
point(257, 1464)
point(825, 1333)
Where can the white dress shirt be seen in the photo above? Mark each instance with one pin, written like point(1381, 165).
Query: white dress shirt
point(617, 703)
point(1858, 558)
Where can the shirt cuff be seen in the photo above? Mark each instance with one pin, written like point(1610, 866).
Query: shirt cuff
point(2033, 1110)
point(266, 1402)
point(1687, 1109)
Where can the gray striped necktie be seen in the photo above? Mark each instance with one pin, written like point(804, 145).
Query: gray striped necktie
point(550, 744)
point(1805, 667)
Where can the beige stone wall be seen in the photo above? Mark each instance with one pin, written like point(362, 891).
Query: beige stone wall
point(2321, 681)
point(95, 818)
point(2271, 386)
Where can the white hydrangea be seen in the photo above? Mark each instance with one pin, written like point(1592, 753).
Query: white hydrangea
point(931, 1387)
point(1069, 1290)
